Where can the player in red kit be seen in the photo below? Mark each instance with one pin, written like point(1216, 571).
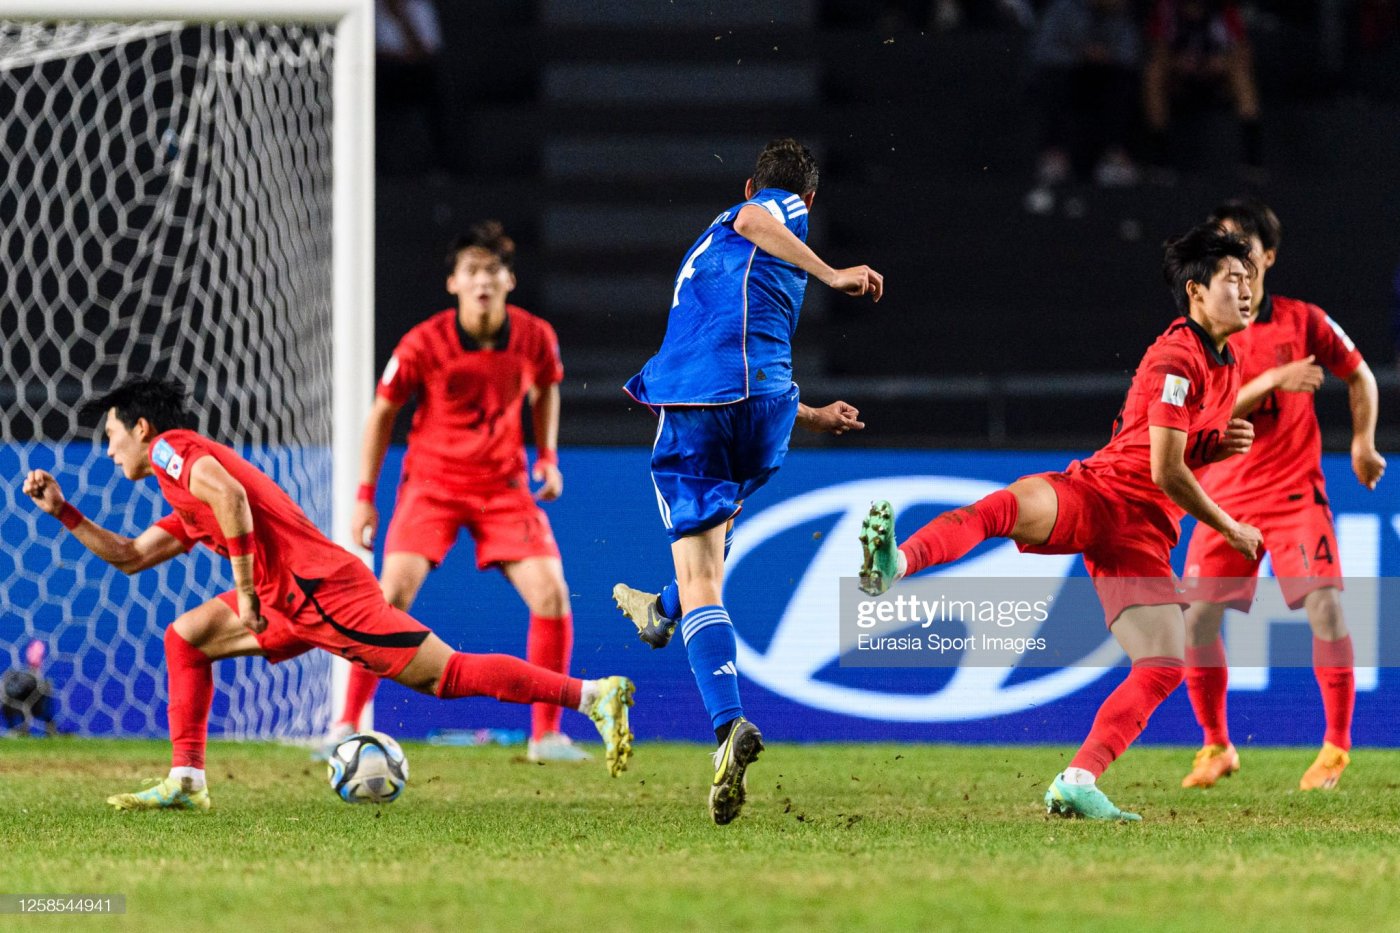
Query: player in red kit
point(1279, 488)
point(1121, 507)
point(470, 368)
point(294, 590)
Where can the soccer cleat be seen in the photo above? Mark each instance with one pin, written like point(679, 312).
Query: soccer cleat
point(729, 788)
point(334, 736)
point(609, 714)
point(555, 746)
point(168, 794)
point(1082, 800)
point(1326, 770)
point(879, 566)
point(1212, 763)
point(652, 627)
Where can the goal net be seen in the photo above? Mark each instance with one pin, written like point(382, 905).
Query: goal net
point(167, 197)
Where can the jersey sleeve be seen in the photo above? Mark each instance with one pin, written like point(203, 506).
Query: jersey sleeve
point(787, 209)
point(546, 362)
point(403, 374)
point(1330, 344)
point(174, 526)
point(173, 457)
point(1174, 385)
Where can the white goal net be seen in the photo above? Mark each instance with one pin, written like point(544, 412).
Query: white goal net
point(165, 208)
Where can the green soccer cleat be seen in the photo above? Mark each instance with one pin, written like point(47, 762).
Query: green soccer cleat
point(639, 606)
point(168, 794)
point(729, 788)
point(1083, 800)
point(609, 714)
point(879, 566)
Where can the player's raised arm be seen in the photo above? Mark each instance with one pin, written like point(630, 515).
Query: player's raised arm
point(379, 428)
point(153, 546)
point(1171, 474)
point(763, 230)
point(211, 484)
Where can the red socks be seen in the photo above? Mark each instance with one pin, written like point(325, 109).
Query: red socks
point(359, 690)
point(549, 644)
point(1332, 665)
point(1124, 715)
point(1207, 676)
point(191, 680)
point(953, 534)
point(506, 678)
point(548, 647)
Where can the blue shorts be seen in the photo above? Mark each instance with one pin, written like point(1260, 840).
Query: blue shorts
point(708, 460)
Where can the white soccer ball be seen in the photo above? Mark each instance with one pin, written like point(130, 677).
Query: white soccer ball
point(368, 767)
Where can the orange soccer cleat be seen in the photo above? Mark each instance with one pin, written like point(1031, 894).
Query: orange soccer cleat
point(1326, 770)
point(1212, 763)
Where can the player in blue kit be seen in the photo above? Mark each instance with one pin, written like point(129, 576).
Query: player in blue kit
point(722, 386)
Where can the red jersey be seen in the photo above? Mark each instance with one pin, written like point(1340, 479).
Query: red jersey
point(286, 544)
point(1286, 458)
point(467, 429)
point(1184, 383)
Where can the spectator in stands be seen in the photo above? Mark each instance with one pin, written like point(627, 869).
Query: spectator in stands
point(1197, 49)
point(407, 41)
point(1085, 59)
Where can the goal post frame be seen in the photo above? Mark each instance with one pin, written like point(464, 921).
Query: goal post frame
point(352, 206)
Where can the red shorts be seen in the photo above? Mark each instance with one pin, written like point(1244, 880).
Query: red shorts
point(504, 520)
point(1126, 543)
point(345, 614)
point(1302, 546)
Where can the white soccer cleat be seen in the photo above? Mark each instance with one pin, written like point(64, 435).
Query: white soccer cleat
point(555, 746)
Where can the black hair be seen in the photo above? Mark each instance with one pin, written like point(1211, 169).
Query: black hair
point(159, 401)
point(1196, 256)
point(786, 164)
point(1253, 218)
point(489, 235)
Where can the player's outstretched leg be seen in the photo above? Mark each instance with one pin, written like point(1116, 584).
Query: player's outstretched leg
point(1082, 800)
point(455, 674)
point(644, 610)
point(879, 566)
point(729, 788)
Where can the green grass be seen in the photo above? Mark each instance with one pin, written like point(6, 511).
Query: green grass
point(835, 837)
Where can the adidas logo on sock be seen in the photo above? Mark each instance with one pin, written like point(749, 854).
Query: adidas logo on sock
point(729, 669)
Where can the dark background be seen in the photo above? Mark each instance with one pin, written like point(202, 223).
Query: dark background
point(607, 135)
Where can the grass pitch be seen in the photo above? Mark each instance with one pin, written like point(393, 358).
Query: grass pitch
point(835, 837)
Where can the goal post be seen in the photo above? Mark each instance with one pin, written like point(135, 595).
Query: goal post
point(234, 248)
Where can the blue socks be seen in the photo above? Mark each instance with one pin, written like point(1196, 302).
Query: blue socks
point(669, 602)
point(710, 644)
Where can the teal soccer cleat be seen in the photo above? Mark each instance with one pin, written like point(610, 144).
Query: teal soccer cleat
point(879, 566)
point(1083, 800)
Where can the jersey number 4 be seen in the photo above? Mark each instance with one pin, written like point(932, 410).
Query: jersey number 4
point(688, 270)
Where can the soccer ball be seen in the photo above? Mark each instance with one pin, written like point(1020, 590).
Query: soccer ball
point(368, 767)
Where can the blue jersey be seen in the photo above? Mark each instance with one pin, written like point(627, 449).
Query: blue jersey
point(733, 313)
